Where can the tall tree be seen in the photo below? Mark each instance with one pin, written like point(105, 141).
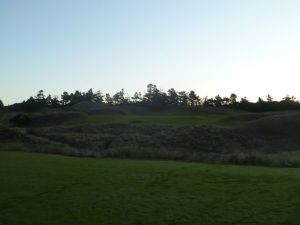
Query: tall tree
point(226, 101)
point(1, 104)
point(218, 101)
point(208, 101)
point(173, 97)
point(108, 99)
point(89, 96)
point(260, 100)
point(119, 98)
point(65, 98)
point(233, 99)
point(269, 98)
point(31, 104)
point(55, 102)
point(40, 98)
point(49, 100)
point(149, 95)
point(244, 100)
point(155, 97)
point(137, 97)
point(183, 98)
point(98, 97)
point(40, 95)
point(193, 98)
point(290, 99)
point(76, 97)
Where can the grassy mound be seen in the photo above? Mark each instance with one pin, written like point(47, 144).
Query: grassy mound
point(56, 118)
point(19, 140)
point(205, 134)
point(187, 140)
point(281, 130)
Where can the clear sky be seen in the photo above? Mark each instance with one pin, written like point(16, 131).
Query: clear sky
point(249, 47)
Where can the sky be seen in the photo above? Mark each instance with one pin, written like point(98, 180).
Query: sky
point(247, 47)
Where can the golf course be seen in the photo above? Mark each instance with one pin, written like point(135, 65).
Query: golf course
point(42, 189)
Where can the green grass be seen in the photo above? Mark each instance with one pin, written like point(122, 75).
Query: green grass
point(170, 119)
point(39, 189)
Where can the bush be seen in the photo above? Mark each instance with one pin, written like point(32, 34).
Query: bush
point(20, 120)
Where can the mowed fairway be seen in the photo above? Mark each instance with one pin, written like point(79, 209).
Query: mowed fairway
point(170, 119)
point(38, 189)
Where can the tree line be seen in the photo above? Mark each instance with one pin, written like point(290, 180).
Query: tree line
point(154, 98)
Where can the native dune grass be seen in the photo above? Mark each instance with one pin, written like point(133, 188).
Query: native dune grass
point(214, 135)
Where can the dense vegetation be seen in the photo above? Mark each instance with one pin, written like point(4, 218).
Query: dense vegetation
point(156, 99)
point(45, 189)
point(206, 135)
point(157, 125)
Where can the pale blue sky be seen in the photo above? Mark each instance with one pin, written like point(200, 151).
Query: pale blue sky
point(249, 47)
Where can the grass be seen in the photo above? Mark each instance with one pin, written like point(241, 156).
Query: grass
point(46, 189)
point(212, 135)
point(169, 119)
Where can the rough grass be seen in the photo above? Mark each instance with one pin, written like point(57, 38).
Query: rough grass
point(207, 134)
point(47, 189)
point(20, 140)
point(193, 143)
point(279, 127)
point(201, 143)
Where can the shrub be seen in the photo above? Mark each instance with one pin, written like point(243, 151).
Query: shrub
point(20, 120)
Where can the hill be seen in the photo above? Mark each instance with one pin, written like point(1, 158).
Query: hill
point(205, 134)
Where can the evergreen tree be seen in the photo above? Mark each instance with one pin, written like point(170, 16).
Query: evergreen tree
point(208, 102)
point(40, 98)
point(289, 99)
point(218, 101)
point(137, 97)
point(183, 98)
point(233, 99)
point(119, 98)
point(193, 98)
point(226, 101)
point(55, 102)
point(65, 98)
point(173, 98)
point(31, 104)
point(49, 100)
point(269, 98)
point(98, 97)
point(76, 97)
point(108, 99)
point(260, 100)
point(89, 96)
point(155, 97)
point(244, 100)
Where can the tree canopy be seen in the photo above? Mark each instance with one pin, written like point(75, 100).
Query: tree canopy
point(154, 98)
point(1, 104)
